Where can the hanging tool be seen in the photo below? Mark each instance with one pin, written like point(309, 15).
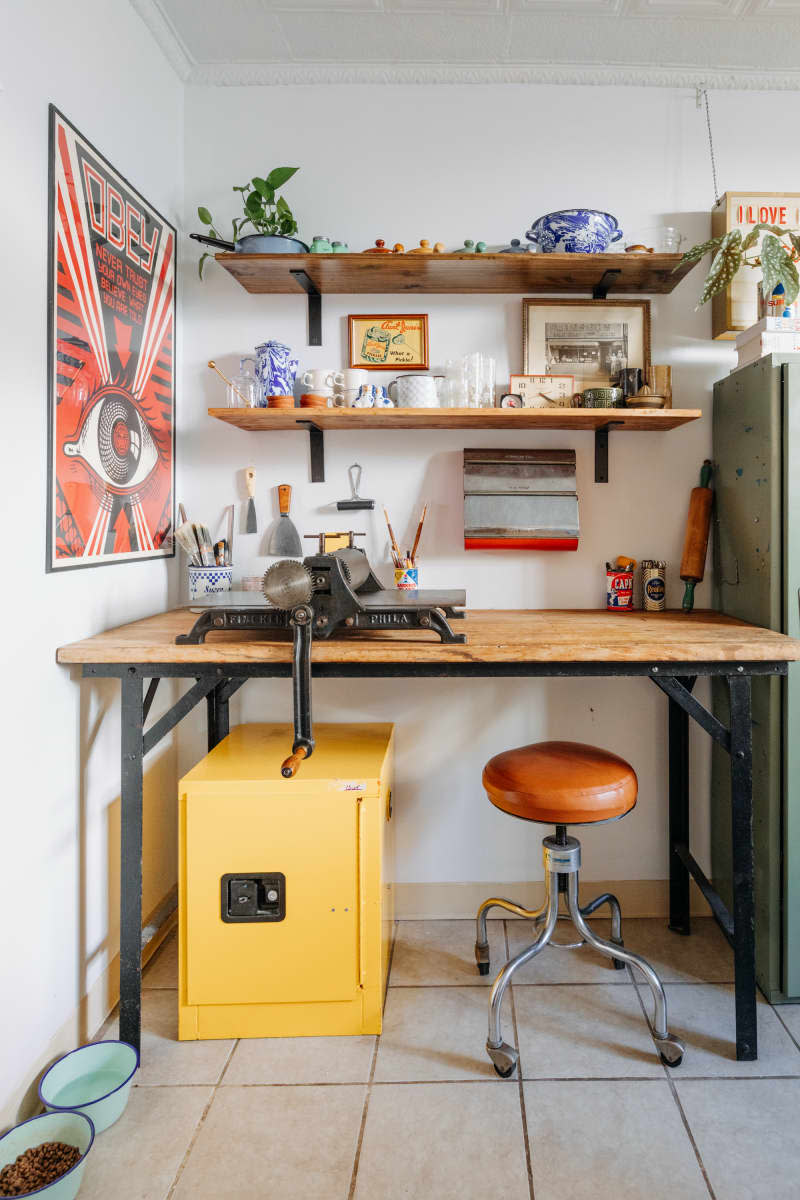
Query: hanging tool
point(693, 563)
point(229, 539)
point(251, 523)
point(284, 538)
point(355, 501)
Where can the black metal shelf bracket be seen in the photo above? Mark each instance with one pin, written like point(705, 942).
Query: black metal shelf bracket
point(607, 280)
point(316, 450)
point(314, 306)
point(601, 451)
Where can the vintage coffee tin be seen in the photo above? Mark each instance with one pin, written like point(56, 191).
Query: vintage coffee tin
point(619, 589)
point(406, 578)
point(654, 585)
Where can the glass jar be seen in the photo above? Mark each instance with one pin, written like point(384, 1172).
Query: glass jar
point(244, 390)
point(479, 371)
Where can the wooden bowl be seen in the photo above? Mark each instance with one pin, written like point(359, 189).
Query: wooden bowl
point(314, 400)
point(280, 401)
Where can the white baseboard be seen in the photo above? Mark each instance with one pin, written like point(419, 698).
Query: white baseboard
point(436, 901)
point(89, 1017)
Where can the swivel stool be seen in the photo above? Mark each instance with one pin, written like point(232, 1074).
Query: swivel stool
point(561, 784)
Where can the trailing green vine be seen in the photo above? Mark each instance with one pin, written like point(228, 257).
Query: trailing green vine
point(264, 210)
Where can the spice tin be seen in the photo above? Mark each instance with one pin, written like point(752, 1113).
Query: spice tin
point(406, 578)
point(619, 589)
point(654, 585)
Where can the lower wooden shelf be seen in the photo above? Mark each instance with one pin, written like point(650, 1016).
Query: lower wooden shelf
point(653, 420)
point(597, 420)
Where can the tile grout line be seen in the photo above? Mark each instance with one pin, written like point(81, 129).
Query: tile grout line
point(357, 1157)
point(674, 1091)
point(199, 1125)
point(525, 1138)
point(776, 1009)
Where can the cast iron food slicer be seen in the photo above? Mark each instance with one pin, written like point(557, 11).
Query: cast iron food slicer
point(325, 595)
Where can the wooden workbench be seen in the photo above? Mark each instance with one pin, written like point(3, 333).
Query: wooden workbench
point(493, 636)
point(670, 648)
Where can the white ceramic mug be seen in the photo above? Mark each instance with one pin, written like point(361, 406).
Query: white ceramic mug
point(416, 391)
point(349, 380)
point(319, 380)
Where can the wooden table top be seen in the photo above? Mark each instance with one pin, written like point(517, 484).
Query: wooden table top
point(493, 636)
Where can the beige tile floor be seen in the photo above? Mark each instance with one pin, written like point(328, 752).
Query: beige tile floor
point(418, 1112)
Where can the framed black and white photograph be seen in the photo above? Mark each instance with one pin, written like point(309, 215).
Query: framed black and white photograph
point(591, 340)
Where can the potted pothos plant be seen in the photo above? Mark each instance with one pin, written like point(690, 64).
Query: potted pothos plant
point(263, 209)
point(777, 256)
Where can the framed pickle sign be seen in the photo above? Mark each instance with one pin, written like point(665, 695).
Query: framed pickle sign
point(111, 366)
point(388, 342)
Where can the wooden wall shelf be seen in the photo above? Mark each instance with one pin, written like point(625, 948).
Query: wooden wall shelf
point(451, 274)
point(596, 420)
point(546, 274)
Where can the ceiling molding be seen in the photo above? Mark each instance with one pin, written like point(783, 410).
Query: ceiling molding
point(166, 38)
point(643, 75)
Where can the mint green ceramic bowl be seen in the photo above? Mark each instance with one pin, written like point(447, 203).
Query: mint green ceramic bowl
point(71, 1127)
point(94, 1080)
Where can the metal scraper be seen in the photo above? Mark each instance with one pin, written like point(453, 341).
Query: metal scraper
point(284, 538)
point(251, 524)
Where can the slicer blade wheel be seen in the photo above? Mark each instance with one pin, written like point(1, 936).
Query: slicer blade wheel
point(354, 564)
point(288, 583)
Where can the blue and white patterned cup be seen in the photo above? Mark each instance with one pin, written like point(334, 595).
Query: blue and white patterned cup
point(207, 581)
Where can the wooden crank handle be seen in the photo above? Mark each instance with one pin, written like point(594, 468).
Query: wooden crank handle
point(250, 481)
point(289, 765)
point(284, 498)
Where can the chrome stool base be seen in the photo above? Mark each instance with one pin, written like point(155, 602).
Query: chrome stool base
point(562, 858)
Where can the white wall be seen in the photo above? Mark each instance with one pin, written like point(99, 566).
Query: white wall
point(60, 832)
point(451, 162)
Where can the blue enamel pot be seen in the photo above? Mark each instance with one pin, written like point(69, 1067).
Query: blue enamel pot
point(574, 231)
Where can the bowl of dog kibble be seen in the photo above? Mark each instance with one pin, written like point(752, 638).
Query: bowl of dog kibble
point(46, 1156)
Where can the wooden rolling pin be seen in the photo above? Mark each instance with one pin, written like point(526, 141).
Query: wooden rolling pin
point(698, 523)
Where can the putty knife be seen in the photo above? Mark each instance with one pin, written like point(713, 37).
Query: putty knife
point(284, 538)
point(251, 524)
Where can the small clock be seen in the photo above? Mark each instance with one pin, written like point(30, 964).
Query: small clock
point(544, 391)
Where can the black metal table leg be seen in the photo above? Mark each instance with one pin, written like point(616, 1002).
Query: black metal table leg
point(679, 919)
point(744, 947)
point(212, 734)
point(223, 712)
point(130, 933)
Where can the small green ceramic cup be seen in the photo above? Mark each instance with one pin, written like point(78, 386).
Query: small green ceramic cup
point(603, 397)
point(73, 1128)
point(94, 1080)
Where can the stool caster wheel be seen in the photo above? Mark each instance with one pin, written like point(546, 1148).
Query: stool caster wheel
point(482, 957)
point(670, 1050)
point(504, 1059)
point(483, 968)
point(618, 966)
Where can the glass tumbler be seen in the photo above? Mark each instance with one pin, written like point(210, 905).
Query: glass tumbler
point(244, 390)
point(479, 370)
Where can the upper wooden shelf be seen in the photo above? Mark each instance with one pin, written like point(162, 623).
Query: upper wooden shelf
point(642, 419)
point(454, 273)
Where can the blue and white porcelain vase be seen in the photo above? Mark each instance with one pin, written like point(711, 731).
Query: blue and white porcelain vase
point(574, 231)
point(276, 370)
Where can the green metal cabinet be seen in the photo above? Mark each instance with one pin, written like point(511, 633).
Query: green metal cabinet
point(757, 578)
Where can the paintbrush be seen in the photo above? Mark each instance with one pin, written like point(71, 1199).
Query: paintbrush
point(419, 535)
point(395, 550)
point(184, 536)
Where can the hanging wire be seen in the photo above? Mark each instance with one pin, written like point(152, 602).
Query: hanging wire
point(704, 93)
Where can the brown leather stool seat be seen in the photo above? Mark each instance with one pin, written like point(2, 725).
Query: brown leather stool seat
point(561, 783)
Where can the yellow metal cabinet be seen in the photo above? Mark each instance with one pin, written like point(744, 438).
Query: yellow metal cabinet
point(285, 896)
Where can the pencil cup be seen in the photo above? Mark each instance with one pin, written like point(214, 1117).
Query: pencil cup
point(406, 578)
point(207, 581)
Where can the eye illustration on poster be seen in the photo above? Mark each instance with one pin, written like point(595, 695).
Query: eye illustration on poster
point(111, 332)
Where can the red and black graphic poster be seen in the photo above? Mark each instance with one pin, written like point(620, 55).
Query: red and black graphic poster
point(111, 363)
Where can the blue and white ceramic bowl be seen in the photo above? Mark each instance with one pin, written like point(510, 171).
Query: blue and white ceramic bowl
point(574, 231)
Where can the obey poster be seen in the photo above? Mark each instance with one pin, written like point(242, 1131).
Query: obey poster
point(111, 363)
